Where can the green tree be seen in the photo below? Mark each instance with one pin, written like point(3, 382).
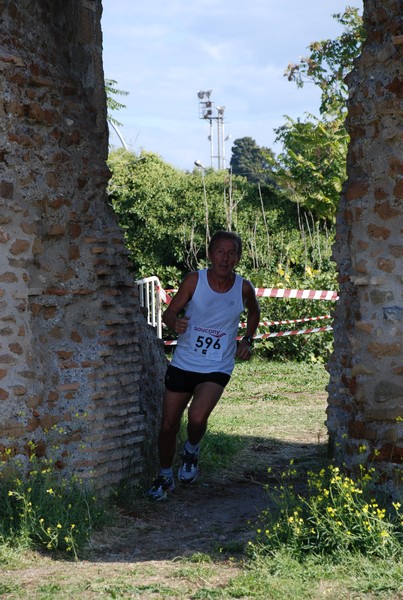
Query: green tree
point(164, 214)
point(149, 197)
point(251, 161)
point(111, 103)
point(312, 164)
point(330, 61)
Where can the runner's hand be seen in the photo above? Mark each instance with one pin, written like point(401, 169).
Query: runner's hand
point(181, 324)
point(244, 350)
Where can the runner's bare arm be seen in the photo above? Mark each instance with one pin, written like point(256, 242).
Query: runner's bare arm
point(252, 322)
point(181, 298)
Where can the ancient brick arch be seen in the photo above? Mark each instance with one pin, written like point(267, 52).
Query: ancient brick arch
point(366, 383)
point(80, 371)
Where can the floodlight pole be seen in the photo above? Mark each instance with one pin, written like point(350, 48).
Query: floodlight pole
point(220, 138)
point(218, 143)
point(202, 168)
point(211, 143)
point(206, 109)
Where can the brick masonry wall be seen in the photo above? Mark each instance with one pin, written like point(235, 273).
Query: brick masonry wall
point(366, 370)
point(81, 373)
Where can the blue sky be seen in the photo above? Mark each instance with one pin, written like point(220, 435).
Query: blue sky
point(164, 51)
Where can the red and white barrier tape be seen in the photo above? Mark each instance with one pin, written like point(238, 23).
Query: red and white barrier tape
point(163, 294)
point(288, 321)
point(303, 294)
point(285, 333)
point(273, 293)
point(272, 335)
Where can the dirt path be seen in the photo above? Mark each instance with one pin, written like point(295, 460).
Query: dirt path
point(216, 515)
point(210, 518)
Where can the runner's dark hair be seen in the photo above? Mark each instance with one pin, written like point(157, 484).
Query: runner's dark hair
point(226, 235)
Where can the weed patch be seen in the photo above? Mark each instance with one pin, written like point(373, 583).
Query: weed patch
point(336, 516)
point(42, 509)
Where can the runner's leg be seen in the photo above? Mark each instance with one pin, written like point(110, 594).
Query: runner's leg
point(205, 398)
point(173, 407)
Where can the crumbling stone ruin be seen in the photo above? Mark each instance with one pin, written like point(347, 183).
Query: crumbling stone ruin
point(80, 370)
point(81, 373)
point(365, 412)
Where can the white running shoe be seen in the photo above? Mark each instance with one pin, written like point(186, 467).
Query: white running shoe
point(189, 470)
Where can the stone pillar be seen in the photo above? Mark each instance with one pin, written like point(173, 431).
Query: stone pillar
point(81, 373)
point(366, 371)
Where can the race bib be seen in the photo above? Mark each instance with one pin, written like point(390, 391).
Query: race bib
point(208, 342)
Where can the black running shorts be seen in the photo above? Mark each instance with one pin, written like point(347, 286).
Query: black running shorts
point(178, 380)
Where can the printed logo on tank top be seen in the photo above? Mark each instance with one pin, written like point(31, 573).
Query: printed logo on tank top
point(208, 342)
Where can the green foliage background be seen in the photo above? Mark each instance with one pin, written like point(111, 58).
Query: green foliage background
point(168, 216)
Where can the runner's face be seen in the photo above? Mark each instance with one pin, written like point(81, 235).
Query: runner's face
point(224, 257)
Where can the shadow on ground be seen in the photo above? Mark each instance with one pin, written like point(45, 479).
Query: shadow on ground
point(216, 515)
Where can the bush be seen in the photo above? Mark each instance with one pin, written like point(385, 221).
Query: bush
point(337, 515)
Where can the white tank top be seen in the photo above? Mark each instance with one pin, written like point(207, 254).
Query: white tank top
point(209, 343)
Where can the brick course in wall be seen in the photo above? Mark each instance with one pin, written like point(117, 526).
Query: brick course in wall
point(366, 371)
point(81, 373)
